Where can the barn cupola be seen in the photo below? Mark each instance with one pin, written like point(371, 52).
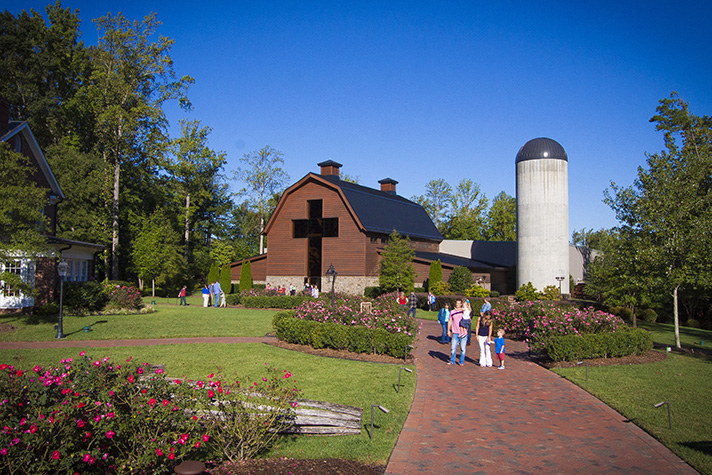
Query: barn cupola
point(329, 168)
point(388, 185)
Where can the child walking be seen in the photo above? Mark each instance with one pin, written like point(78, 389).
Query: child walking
point(499, 348)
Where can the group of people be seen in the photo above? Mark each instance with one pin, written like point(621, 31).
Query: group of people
point(281, 290)
point(457, 330)
point(213, 293)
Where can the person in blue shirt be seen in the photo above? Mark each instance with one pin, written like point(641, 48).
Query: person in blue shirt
point(216, 293)
point(486, 307)
point(499, 347)
point(443, 318)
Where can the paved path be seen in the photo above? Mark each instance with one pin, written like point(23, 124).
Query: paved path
point(524, 420)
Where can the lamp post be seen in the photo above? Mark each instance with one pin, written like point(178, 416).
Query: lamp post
point(383, 409)
point(331, 274)
point(62, 271)
point(399, 376)
point(560, 279)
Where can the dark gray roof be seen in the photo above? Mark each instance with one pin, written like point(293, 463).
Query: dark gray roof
point(382, 212)
point(541, 148)
point(452, 260)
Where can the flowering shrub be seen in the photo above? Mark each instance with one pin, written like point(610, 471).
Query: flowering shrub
point(121, 296)
point(92, 416)
point(537, 322)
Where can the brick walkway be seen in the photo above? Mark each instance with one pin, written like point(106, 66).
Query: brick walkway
point(524, 420)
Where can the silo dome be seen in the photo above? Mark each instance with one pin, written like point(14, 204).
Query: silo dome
point(541, 148)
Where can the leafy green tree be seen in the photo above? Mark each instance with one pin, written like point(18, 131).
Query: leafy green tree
point(131, 80)
point(501, 222)
point(264, 177)
point(214, 273)
point(461, 279)
point(246, 275)
point(154, 250)
point(194, 169)
point(226, 278)
point(396, 266)
point(436, 274)
point(22, 221)
point(467, 219)
point(669, 204)
point(436, 201)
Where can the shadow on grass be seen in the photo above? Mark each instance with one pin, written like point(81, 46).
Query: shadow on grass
point(704, 446)
point(98, 322)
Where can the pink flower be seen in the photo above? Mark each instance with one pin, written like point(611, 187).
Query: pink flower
point(159, 452)
point(82, 353)
point(55, 455)
point(206, 437)
point(110, 434)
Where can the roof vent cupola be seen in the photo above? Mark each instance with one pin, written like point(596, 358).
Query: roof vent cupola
point(388, 185)
point(330, 168)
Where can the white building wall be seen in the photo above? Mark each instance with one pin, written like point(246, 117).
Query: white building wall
point(543, 223)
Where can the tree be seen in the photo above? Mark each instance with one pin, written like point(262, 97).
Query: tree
point(436, 201)
point(264, 178)
point(246, 275)
point(226, 278)
point(461, 279)
point(396, 266)
point(467, 219)
point(22, 221)
point(195, 171)
point(436, 274)
point(669, 204)
point(132, 78)
point(214, 273)
point(153, 250)
point(501, 222)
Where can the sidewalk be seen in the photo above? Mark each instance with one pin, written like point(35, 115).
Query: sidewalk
point(524, 420)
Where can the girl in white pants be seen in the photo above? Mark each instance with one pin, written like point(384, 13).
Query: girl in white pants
point(484, 337)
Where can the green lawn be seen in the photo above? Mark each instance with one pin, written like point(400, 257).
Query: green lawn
point(169, 321)
point(633, 390)
point(664, 334)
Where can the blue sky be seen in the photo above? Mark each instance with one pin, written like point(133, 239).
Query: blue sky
point(417, 91)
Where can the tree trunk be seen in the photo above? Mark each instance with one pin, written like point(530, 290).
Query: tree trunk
point(677, 318)
point(262, 238)
point(187, 226)
point(635, 319)
point(140, 284)
point(153, 287)
point(115, 224)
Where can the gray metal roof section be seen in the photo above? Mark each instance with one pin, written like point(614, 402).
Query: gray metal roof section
point(542, 148)
point(454, 261)
point(382, 212)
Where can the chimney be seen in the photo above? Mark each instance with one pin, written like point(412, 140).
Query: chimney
point(388, 185)
point(4, 115)
point(329, 168)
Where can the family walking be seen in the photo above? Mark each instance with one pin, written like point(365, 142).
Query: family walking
point(457, 328)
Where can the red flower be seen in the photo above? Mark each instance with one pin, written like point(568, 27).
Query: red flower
point(171, 456)
point(110, 434)
point(211, 393)
point(159, 452)
point(55, 455)
point(131, 379)
point(206, 437)
point(151, 402)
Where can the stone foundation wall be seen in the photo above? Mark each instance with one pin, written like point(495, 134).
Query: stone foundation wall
point(347, 284)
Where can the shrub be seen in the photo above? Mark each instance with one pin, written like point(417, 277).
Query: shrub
point(625, 313)
point(526, 292)
point(81, 298)
point(372, 292)
point(245, 275)
point(51, 308)
point(123, 297)
point(461, 279)
point(435, 276)
point(692, 323)
point(93, 417)
point(477, 291)
point(440, 288)
point(623, 342)
point(226, 278)
point(494, 293)
point(550, 292)
point(233, 299)
point(651, 316)
point(272, 301)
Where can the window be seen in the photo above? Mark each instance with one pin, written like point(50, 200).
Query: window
point(315, 227)
point(331, 227)
point(12, 267)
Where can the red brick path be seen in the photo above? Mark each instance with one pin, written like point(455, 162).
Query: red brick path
point(524, 420)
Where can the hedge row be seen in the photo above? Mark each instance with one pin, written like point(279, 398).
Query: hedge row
point(267, 301)
point(358, 339)
point(623, 342)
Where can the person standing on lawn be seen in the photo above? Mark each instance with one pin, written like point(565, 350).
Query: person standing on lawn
point(181, 294)
point(206, 295)
point(412, 303)
point(216, 293)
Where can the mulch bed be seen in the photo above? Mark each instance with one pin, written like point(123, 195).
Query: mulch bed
point(6, 327)
point(287, 466)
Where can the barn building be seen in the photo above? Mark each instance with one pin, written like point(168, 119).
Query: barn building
point(322, 220)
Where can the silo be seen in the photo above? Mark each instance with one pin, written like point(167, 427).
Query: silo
point(543, 215)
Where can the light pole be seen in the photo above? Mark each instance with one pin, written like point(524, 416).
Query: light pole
point(383, 409)
point(62, 271)
point(331, 274)
point(560, 279)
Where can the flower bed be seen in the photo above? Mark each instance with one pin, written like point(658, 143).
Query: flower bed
point(538, 322)
point(384, 330)
point(93, 416)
